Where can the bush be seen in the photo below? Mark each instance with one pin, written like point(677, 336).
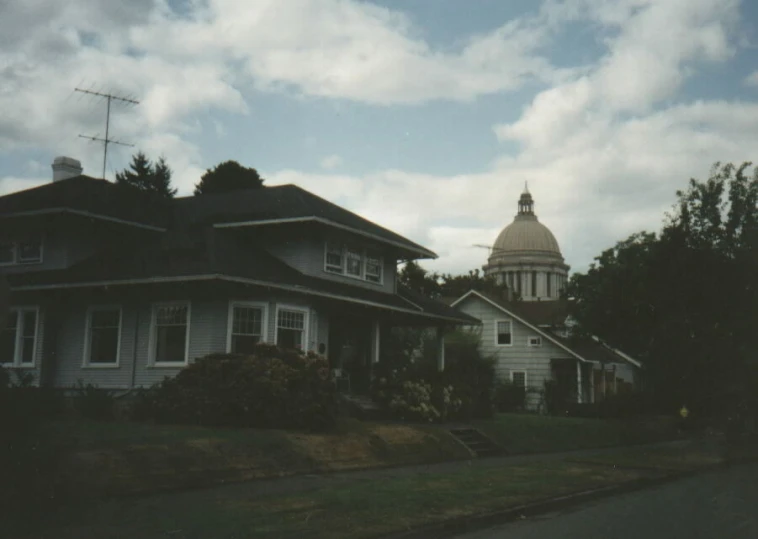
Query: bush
point(461, 392)
point(270, 388)
point(509, 397)
point(93, 402)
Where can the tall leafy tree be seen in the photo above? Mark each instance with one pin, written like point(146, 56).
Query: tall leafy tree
point(228, 176)
point(147, 176)
point(685, 301)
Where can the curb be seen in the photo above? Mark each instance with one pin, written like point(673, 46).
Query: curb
point(471, 523)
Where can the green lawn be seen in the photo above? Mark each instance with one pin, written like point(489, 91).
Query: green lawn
point(530, 433)
point(350, 509)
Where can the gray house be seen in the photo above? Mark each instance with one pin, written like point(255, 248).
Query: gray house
point(531, 343)
point(119, 288)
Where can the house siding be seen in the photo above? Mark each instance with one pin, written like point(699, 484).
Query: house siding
point(535, 360)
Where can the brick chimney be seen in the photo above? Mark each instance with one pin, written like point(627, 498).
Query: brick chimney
point(65, 168)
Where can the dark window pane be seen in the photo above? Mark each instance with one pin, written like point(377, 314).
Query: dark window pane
point(170, 344)
point(106, 318)
point(290, 338)
point(6, 252)
point(519, 379)
point(244, 344)
point(30, 324)
point(171, 316)
point(504, 333)
point(103, 345)
point(30, 251)
point(246, 321)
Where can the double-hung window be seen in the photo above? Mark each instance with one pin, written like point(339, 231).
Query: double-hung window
point(7, 252)
point(518, 378)
point(18, 341)
point(354, 262)
point(246, 327)
point(170, 334)
point(335, 258)
point(373, 267)
point(28, 251)
point(291, 327)
point(103, 337)
point(503, 333)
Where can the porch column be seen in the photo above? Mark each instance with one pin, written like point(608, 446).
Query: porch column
point(376, 336)
point(592, 384)
point(440, 348)
point(579, 381)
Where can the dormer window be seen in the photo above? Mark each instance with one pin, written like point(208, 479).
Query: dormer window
point(354, 262)
point(28, 251)
point(335, 261)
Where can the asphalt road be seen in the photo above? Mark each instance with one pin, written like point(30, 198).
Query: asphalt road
point(722, 504)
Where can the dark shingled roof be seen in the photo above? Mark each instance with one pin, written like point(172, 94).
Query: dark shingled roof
point(281, 202)
point(91, 195)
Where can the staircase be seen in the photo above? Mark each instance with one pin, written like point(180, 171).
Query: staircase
point(477, 442)
point(361, 407)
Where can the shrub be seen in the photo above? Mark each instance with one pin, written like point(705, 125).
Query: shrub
point(93, 402)
point(509, 397)
point(270, 388)
point(557, 397)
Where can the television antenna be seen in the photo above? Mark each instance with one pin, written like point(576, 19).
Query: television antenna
point(106, 140)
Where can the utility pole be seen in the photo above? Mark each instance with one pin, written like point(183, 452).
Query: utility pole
point(106, 141)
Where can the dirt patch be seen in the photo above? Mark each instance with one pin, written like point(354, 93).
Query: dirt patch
point(400, 434)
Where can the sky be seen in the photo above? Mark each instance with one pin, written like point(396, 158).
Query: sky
point(425, 116)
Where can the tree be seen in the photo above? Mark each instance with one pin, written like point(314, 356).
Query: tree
point(228, 176)
point(419, 280)
point(685, 301)
point(435, 285)
point(147, 177)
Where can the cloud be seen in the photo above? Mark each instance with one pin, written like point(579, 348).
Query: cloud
point(331, 161)
point(752, 79)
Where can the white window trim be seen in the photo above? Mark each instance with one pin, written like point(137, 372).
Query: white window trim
point(306, 322)
point(88, 337)
point(533, 345)
point(526, 376)
point(497, 321)
point(16, 363)
point(154, 334)
point(364, 254)
point(230, 319)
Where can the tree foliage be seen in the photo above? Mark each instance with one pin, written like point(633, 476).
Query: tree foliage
point(228, 176)
point(436, 285)
point(147, 176)
point(684, 301)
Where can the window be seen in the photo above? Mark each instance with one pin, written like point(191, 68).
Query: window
point(7, 252)
point(518, 378)
point(29, 251)
point(18, 341)
point(246, 327)
point(170, 334)
point(290, 328)
point(503, 336)
point(534, 283)
point(549, 285)
point(534, 341)
point(103, 337)
point(373, 268)
point(335, 261)
point(354, 262)
point(23, 252)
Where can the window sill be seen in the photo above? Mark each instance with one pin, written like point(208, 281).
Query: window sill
point(100, 366)
point(354, 277)
point(17, 365)
point(504, 345)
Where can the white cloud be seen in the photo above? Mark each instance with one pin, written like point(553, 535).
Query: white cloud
point(331, 162)
point(752, 79)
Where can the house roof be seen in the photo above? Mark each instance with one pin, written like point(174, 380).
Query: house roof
point(90, 197)
point(284, 204)
point(536, 315)
point(223, 259)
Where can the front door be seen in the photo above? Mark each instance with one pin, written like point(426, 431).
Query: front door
point(349, 352)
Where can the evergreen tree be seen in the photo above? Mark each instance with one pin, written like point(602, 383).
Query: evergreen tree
point(145, 176)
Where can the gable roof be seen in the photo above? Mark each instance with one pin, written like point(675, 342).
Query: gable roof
point(285, 204)
point(587, 350)
point(89, 197)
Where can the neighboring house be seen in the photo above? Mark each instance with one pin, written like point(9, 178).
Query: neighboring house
point(119, 288)
point(531, 344)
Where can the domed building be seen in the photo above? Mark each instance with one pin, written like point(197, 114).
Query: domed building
point(527, 258)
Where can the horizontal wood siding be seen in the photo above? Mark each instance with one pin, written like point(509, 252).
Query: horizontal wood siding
point(535, 360)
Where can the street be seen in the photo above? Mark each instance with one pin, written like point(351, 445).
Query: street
point(720, 504)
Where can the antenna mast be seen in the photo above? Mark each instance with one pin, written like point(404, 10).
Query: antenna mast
point(106, 141)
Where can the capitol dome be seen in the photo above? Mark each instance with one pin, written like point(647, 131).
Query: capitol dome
point(526, 256)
